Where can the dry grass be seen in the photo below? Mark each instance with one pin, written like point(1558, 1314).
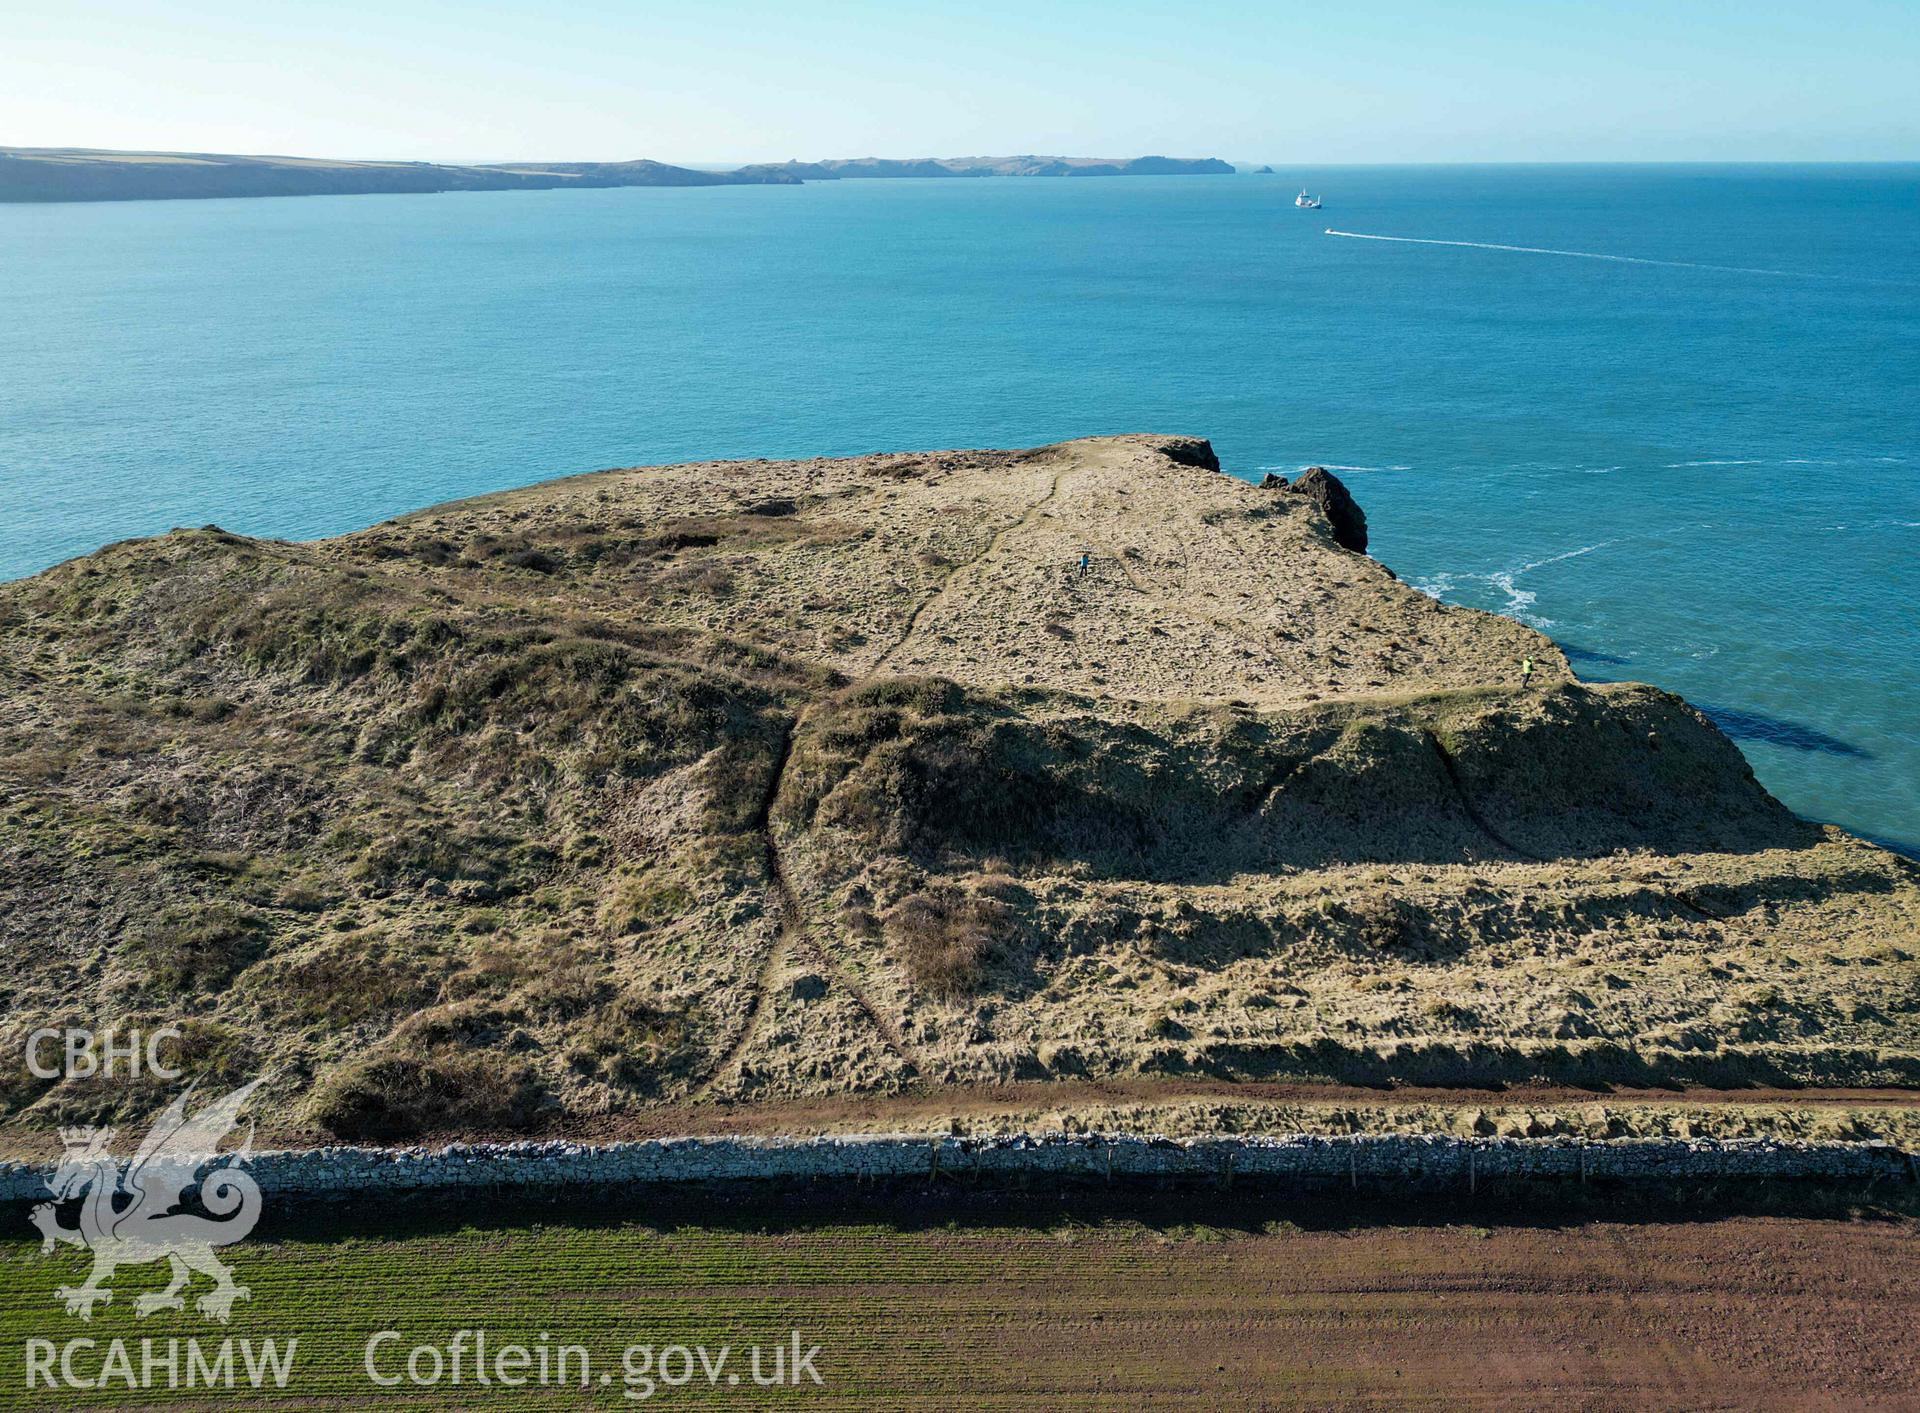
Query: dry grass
point(534, 808)
point(945, 938)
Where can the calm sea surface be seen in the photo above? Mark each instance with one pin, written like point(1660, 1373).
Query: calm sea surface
point(1703, 474)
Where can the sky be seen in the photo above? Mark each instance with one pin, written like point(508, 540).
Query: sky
point(1335, 81)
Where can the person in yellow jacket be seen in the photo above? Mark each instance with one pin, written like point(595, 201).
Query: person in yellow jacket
point(1526, 671)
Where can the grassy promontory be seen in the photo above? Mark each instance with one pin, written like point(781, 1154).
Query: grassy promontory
point(762, 783)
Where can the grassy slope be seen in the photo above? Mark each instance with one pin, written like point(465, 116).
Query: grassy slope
point(762, 781)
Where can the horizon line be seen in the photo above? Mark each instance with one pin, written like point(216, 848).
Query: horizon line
point(732, 164)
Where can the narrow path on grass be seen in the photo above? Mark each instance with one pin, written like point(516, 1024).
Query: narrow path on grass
point(786, 910)
point(992, 548)
point(1679, 898)
point(1481, 822)
point(841, 977)
point(794, 932)
point(983, 1104)
point(794, 936)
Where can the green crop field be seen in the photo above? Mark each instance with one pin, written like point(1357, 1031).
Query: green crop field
point(1045, 1309)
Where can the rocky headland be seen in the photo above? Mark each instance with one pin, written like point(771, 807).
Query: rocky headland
point(681, 790)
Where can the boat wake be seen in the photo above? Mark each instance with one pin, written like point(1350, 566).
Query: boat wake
point(1586, 255)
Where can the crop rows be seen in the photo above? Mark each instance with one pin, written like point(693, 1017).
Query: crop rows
point(1077, 1317)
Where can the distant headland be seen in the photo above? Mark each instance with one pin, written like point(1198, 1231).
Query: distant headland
point(85, 174)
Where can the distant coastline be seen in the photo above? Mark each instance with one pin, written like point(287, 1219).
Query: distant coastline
point(50, 174)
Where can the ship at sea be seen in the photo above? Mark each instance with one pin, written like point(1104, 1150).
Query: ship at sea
point(1305, 202)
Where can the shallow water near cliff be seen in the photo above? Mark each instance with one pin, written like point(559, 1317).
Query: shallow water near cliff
point(1702, 473)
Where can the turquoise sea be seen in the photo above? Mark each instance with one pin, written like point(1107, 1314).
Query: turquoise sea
point(1703, 473)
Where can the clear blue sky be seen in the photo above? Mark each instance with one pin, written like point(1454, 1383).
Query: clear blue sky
point(742, 80)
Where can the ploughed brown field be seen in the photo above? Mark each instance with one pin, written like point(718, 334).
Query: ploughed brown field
point(1740, 1313)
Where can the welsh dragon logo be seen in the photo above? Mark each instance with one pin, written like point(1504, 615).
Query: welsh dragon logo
point(146, 1226)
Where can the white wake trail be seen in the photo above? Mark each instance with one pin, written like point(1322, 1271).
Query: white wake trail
point(1583, 255)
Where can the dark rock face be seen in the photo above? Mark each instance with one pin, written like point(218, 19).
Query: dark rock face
point(1191, 451)
point(1343, 512)
point(1272, 481)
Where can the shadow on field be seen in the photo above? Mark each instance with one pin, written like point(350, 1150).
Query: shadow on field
point(1175, 1211)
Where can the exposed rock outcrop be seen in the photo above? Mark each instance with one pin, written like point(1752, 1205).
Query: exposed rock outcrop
point(1190, 451)
point(1342, 511)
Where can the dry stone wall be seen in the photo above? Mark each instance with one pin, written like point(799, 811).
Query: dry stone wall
point(324, 1173)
